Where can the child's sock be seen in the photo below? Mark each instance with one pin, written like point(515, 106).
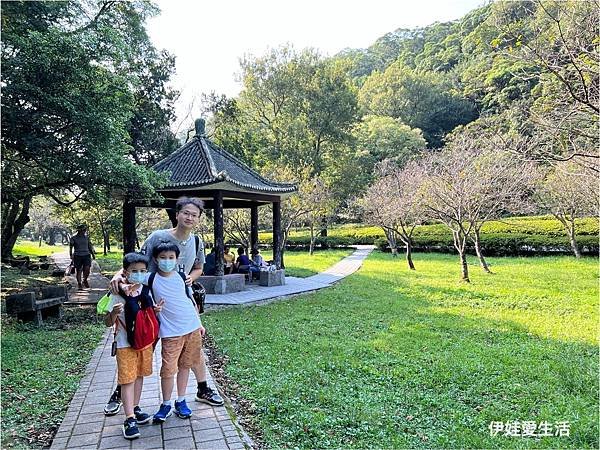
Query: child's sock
point(202, 386)
point(180, 399)
point(167, 402)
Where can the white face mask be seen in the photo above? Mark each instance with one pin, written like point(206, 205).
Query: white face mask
point(167, 265)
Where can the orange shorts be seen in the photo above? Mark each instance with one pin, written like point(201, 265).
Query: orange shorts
point(180, 352)
point(132, 364)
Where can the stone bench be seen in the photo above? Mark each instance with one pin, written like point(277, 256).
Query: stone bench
point(224, 284)
point(29, 306)
point(272, 277)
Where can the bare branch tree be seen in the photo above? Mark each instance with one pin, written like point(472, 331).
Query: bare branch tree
point(392, 203)
point(569, 193)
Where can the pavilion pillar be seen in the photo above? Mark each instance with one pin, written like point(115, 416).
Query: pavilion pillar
point(171, 213)
point(254, 227)
point(129, 235)
point(218, 222)
point(277, 238)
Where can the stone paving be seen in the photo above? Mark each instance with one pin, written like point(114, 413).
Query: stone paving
point(85, 426)
point(98, 283)
point(255, 293)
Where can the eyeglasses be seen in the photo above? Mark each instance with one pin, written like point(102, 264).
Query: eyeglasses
point(189, 214)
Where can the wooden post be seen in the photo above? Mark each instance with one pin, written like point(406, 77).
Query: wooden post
point(171, 213)
point(218, 221)
point(129, 235)
point(254, 227)
point(277, 250)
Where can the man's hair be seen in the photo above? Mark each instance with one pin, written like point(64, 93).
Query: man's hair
point(132, 258)
point(165, 247)
point(184, 201)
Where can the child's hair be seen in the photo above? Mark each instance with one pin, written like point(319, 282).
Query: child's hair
point(241, 250)
point(165, 247)
point(132, 258)
point(184, 201)
point(255, 251)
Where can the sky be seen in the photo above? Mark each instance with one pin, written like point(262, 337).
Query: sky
point(209, 38)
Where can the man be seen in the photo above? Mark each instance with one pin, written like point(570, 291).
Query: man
point(190, 261)
point(81, 252)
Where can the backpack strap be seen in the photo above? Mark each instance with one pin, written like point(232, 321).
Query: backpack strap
point(150, 283)
point(197, 241)
point(184, 277)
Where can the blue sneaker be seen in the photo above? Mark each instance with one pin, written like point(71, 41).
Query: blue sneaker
point(140, 416)
point(182, 410)
point(163, 412)
point(130, 429)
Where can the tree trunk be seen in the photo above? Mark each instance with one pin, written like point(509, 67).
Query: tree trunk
point(391, 238)
point(571, 232)
point(12, 225)
point(459, 244)
point(409, 260)
point(477, 242)
point(569, 226)
point(311, 248)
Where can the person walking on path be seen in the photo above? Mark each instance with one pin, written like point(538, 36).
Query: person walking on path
point(81, 252)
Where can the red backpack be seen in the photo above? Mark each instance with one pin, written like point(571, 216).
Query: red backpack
point(141, 323)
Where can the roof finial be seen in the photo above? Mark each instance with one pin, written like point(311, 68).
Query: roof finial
point(200, 126)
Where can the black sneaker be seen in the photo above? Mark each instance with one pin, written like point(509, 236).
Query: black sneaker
point(130, 429)
point(209, 396)
point(140, 416)
point(114, 404)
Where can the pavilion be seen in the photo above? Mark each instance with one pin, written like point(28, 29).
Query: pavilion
point(201, 169)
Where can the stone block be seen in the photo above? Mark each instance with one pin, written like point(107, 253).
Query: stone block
point(272, 278)
point(225, 284)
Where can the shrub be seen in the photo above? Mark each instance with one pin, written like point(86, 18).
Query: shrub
point(510, 236)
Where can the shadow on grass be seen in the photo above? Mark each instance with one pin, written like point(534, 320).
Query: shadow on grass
point(376, 362)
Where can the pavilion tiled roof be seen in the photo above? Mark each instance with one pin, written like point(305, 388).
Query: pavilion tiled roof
point(201, 163)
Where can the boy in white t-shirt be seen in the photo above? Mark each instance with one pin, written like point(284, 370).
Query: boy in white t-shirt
point(132, 365)
point(180, 331)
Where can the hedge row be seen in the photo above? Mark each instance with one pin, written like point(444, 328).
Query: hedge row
point(512, 236)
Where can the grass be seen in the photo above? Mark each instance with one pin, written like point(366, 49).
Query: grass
point(298, 264)
point(397, 358)
point(30, 248)
point(41, 370)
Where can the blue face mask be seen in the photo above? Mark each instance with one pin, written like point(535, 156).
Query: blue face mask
point(167, 265)
point(136, 277)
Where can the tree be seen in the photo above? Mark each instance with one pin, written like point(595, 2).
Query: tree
point(569, 192)
point(392, 202)
point(297, 107)
point(501, 182)
point(447, 192)
point(66, 103)
point(561, 39)
point(320, 204)
point(420, 99)
point(383, 137)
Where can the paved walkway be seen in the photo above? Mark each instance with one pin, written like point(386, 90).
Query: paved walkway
point(98, 283)
point(294, 285)
point(85, 426)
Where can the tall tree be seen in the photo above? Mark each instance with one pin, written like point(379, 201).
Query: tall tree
point(67, 103)
point(421, 99)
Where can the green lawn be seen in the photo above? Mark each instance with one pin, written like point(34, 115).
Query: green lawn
point(41, 370)
point(298, 264)
point(394, 358)
point(29, 248)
